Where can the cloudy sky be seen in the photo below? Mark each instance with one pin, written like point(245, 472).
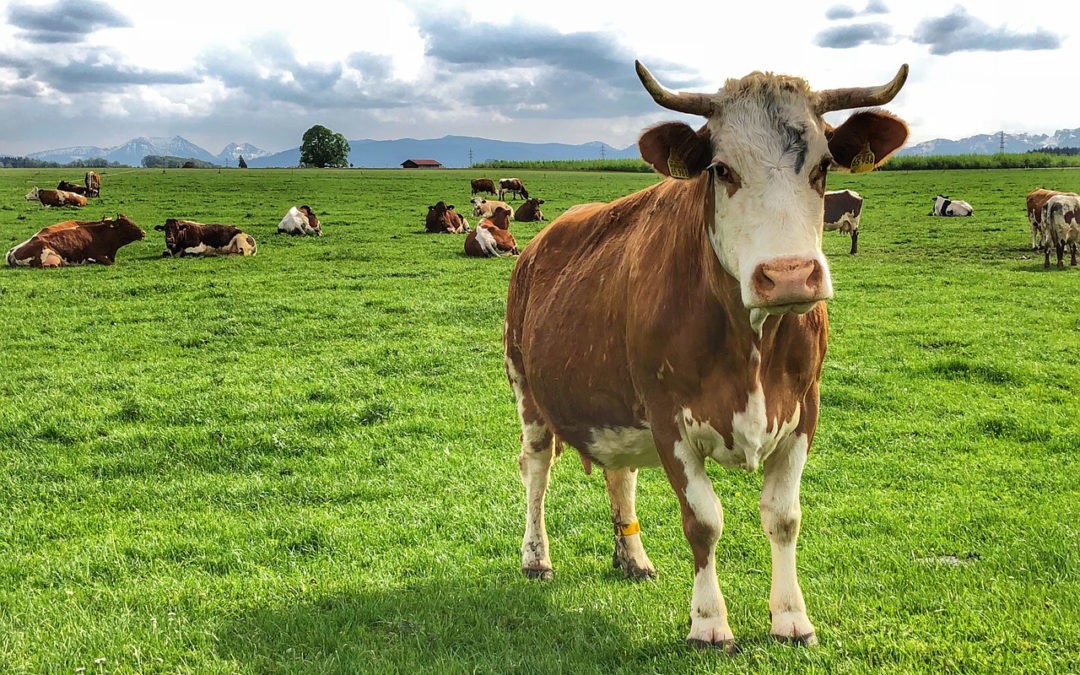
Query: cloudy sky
point(99, 72)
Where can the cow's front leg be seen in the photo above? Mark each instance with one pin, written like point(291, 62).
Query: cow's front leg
point(781, 516)
point(629, 554)
point(703, 522)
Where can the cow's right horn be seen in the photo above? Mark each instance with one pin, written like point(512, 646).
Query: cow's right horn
point(694, 104)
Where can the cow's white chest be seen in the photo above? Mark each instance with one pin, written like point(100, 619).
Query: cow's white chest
point(754, 438)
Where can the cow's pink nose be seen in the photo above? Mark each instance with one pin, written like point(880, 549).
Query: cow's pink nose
point(788, 281)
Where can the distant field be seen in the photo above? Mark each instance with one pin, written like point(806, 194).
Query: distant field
point(305, 461)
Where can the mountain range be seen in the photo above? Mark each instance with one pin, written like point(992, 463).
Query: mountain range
point(463, 151)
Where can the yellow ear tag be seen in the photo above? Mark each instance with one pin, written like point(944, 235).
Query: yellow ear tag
point(676, 167)
point(864, 161)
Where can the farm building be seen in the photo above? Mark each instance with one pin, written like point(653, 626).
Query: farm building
point(420, 164)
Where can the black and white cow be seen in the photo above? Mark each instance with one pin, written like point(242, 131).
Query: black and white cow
point(943, 206)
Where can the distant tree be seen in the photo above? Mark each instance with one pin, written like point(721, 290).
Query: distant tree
point(241, 164)
point(321, 147)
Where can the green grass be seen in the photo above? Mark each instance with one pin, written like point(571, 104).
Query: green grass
point(305, 461)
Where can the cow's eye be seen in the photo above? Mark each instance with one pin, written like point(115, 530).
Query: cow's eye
point(721, 171)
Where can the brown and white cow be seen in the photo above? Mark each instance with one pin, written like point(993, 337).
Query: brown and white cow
point(1060, 224)
point(442, 217)
point(55, 197)
point(529, 211)
point(482, 185)
point(842, 211)
point(187, 237)
point(300, 220)
point(93, 184)
point(485, 208)
point(1036, 199)
point(686, 321)
point(492, 237)
point(514, 187)
point(76, 243)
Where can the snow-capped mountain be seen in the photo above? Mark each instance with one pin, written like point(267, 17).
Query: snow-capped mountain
point(133, 151)
point(232, 153)
point(989, 144)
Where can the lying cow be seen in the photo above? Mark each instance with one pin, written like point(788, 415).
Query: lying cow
point(943, 206)
point(492, 237)
point(76, 243)
point(485, 208)
point(93, 184)
point(1060, 227)
point(66, 186)
point(529, 211)
point(482, 185)
point(186, 237)
point(842, 211)
point(55, 197)
point(300, 220)
point(514, 187)
point(443, 218)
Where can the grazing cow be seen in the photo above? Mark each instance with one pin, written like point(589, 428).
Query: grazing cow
point(443, 218)
point(93, 184)
point(686, 321)
point(186, 237)
point(485, 208)
point(55, 197)
point(66, 186)
point(1061, 226)
point(76, 243)
point(492, 237)
point(1036, 199)
point(943, 206)
point(483, 185)
point(300, 220)
point(514, 187)
point(842, 211)
point(529, 211)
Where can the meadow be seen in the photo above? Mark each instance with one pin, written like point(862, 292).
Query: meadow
point(305, 461)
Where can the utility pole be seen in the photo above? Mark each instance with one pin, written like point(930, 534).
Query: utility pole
point(1001, 147)
point(470, 157)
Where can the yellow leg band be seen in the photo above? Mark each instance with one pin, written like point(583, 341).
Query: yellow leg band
point(628, 529)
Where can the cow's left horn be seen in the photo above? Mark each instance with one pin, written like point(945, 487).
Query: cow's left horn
point(861, 97)
point(694, 104)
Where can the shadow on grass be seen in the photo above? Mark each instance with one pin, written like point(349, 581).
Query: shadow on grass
point(505, 627)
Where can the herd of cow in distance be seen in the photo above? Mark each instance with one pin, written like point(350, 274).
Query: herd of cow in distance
point(680, 323)
point(1054, 217)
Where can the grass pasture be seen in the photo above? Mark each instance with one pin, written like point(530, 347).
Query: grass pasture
point(305, 461)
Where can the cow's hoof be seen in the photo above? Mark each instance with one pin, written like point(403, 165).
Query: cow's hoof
point(807, 640)
point(728, 646)
point(541, 573)
point(631, 569)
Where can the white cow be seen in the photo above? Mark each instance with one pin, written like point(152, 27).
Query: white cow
point(1060, 226)
point(943, 206)
point(300, 220)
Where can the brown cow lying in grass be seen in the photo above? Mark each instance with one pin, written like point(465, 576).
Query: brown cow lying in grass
point(186, 237)
point(76, 243)
point(55, 197)
point(492, 237)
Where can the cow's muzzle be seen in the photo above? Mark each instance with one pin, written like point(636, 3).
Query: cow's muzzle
point(789, 284)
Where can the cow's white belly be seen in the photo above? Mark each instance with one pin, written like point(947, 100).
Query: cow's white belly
point(622, 447)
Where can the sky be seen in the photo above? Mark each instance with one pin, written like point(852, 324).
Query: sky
point(100, 72)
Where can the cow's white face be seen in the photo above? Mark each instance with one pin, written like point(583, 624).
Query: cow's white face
point(770, 159)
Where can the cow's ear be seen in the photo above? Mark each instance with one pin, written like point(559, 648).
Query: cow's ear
point(675, 149)
point(159, 228)
point(866, 139)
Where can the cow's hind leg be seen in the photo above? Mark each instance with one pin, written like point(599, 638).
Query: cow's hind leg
point(534, 464)
point(781, 516)
point(629, 555)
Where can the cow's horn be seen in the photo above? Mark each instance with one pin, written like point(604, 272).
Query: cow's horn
point(861, 97)
point(694, 104)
